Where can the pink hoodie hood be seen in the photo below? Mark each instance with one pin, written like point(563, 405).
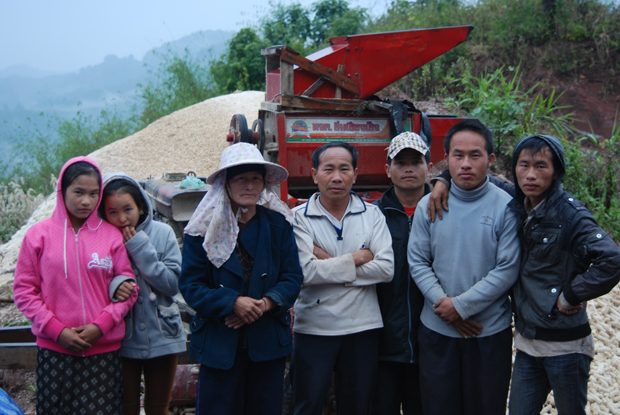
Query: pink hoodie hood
point(60, 213)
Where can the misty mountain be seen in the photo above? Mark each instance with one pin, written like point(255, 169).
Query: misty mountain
point(26, 92)
point(24, 70)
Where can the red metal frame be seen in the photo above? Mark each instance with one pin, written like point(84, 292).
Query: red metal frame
point(374, 60)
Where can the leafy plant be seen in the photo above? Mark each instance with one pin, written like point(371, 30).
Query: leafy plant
point(593, 177)
point(179, 82)
point(496, 99)
point(242, 67)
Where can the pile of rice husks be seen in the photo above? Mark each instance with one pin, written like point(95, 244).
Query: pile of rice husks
point(192, 139)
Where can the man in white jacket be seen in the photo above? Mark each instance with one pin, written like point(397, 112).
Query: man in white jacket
point(345, 248)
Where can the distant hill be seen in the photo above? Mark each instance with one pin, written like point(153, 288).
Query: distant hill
point(24, 70)
point(204, 44)
point(26, 92)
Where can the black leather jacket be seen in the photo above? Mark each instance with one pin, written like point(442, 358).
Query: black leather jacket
point(400, 300)
point(563, 249)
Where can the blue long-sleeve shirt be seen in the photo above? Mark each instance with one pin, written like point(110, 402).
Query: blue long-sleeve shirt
point(472, 255)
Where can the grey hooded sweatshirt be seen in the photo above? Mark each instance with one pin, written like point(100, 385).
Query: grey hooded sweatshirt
point(153, 326)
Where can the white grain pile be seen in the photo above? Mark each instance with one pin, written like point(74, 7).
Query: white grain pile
point(193, 139)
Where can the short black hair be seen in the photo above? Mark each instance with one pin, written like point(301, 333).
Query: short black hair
point(244, 168)
point(537, 145)
point(317, 153)
point(124, 186)
point(81, 168)
point(474, 126)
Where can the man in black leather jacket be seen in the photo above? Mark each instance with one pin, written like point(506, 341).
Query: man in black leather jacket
point(400, 300)
point(567, 259)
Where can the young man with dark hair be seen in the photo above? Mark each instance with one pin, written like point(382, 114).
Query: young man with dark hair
point(345, 249)
point(567, 259)
point(408, 166)
point(464, 266)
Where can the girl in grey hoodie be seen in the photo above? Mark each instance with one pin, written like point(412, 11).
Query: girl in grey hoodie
point(154, 333)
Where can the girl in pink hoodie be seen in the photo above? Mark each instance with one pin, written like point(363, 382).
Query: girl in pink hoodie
point(63, 272)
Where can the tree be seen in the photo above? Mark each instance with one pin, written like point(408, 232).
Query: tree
point(179, 83)
point(287, 25)
point(242, 67)
point(325, 13)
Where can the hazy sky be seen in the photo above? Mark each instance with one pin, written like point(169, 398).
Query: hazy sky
point(65, 35)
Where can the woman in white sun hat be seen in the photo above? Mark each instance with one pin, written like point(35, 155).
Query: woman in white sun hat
point(241, 274)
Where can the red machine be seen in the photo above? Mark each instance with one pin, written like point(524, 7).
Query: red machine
point(328, 96)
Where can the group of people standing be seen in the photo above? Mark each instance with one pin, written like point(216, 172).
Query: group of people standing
point(408, 303)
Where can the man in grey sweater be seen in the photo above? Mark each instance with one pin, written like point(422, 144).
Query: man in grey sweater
point(464, 266)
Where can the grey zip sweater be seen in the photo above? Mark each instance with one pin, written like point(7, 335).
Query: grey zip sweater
point(471, 255)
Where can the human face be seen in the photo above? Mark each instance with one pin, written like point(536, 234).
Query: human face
point(81, 199)
point(468, 160)
point(121, 210)
point(245, 189)
point(408, 170)
point(335, 175)
point(535, 174)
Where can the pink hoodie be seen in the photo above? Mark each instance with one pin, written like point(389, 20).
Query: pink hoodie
point(62, 277)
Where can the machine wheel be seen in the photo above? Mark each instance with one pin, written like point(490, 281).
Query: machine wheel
point(239, 129)
point(258, 131)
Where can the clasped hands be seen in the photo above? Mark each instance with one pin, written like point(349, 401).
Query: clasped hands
point(445, 310)
point(78, 339)
point(247, 310)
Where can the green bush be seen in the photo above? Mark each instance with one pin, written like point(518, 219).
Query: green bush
point(496, 99)
point(179, 82)
point(593, 176)
point(41, 154)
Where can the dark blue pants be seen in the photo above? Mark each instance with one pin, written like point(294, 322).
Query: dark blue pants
point(247, 388)
point(397, 384)
point(354, 359)
point(534, 377)
point(461, 376)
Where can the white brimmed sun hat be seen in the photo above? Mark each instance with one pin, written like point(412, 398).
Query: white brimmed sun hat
point(246, 153)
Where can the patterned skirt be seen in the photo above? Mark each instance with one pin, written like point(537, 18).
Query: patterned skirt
point(68, 385)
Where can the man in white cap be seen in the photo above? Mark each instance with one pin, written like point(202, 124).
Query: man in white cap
point(408, 165)
point(345, 249)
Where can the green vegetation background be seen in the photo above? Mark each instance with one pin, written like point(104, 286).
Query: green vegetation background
point(481, 78)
